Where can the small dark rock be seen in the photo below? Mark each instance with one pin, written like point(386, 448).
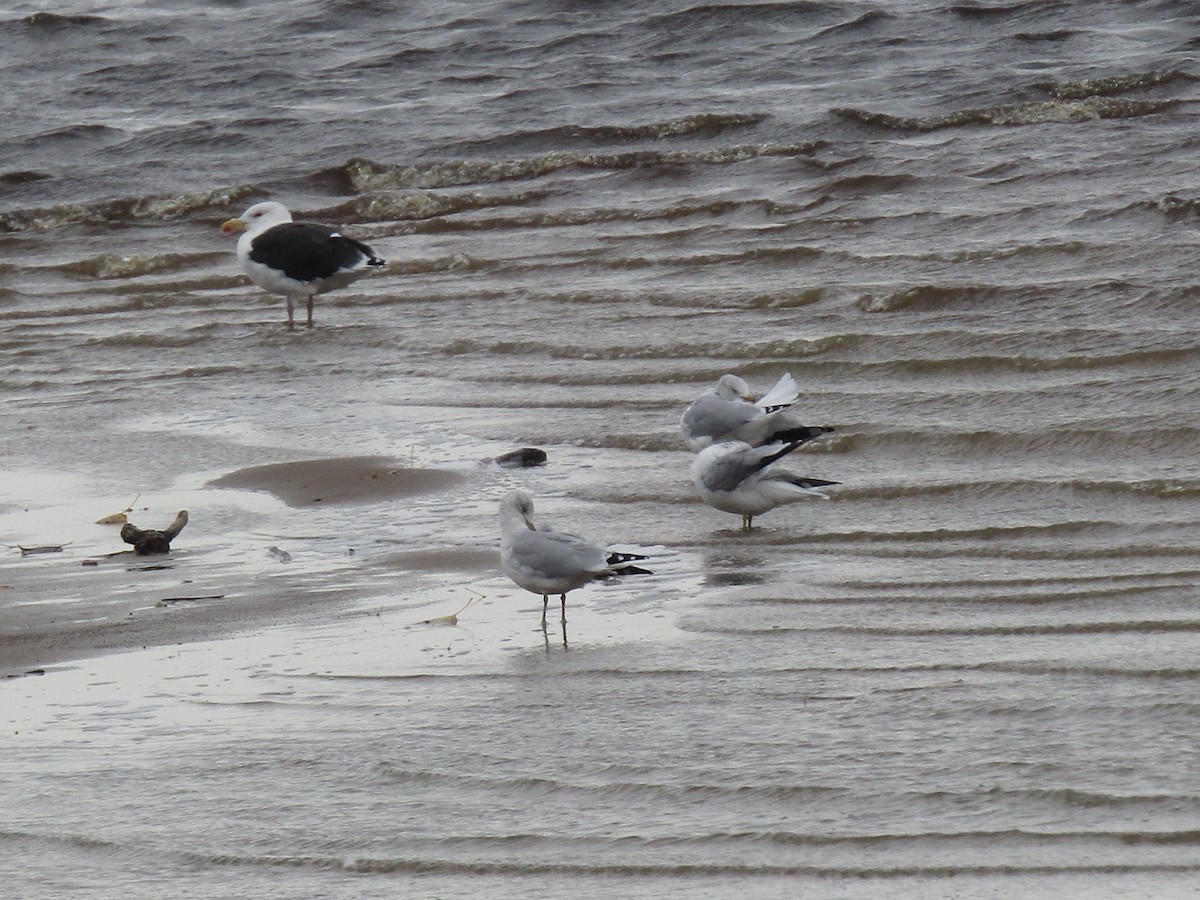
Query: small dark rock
point(525, 458)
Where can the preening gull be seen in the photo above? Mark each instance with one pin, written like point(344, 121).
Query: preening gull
point(552, 562)
point(729, 412)
point(297, 259)
point(735, 477)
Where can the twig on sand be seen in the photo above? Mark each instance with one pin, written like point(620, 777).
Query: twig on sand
point(49, 548)
point(167, 601)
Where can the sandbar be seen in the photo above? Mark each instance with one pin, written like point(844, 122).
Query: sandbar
point(351, 479)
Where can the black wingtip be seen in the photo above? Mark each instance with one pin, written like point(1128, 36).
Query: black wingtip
point(783, 451)
point(633, 570)
point(813, 482)
point(376, 261)
point(801, 434)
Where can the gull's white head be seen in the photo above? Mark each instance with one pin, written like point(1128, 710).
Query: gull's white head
point(258, 217)
point(731, 387)
point(518, 507)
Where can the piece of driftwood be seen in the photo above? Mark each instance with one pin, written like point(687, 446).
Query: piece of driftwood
point(148, 541)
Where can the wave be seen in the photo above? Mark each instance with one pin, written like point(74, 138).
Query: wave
point(1040, 112)
point(1171, 206)
point(531, 786)
point(859, 23)
point(792, 349)
point(710, 17)
point(1052, 248)
point(989, 533)
point(363, 175)
point(112, 265)
point(975, 838)
point(1063, 629)
point(1116, 548)
point(128, 297)
point(870, 184)
point(22, 176)
point(173, 340)
point(429, 865)
point(49, 20)
point(603, 261)
point(86, 132)
point(929, 297)
point(998, 594)
point(1052, 35)
point(985, 364)
point(1017, 667)
point(1093, 799)
point(122, 210)
point(1046, 441)
point(799, 253)
point(1150, 672)
point(1006, 10)
point(1072, 101)
point(1073, 583)
point(1161, 489)
point(500, 851)
point(698, 125)
point(1113, 85)
point(422, 205)
point(430, 213)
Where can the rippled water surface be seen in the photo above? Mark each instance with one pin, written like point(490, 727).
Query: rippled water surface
point(968, 230)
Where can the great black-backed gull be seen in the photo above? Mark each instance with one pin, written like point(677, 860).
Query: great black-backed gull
point(735, 477)
point(729, 412)
point(297, 259)
point(552, 562)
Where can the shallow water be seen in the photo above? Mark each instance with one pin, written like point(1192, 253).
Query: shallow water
point(967, 230)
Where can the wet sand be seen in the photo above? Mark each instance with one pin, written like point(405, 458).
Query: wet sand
point(95, 598)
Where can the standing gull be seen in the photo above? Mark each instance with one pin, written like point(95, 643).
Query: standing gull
point(297, 259)
point(735, 477)
point(728, 412)
point(552, 562)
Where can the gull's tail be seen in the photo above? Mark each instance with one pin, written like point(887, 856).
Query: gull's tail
point(782, 395)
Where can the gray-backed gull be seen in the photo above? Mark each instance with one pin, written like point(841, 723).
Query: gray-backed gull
point(552, 562)
point(735, 477)
point(729, 412)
